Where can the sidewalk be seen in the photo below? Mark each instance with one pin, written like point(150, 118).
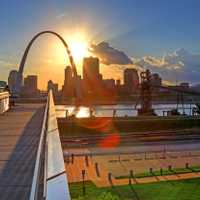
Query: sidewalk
point(74, 173)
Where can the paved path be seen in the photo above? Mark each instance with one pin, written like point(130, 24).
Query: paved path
point(74, 173)
point(19, 136)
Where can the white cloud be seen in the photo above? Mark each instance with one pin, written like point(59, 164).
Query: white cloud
point(180, 65)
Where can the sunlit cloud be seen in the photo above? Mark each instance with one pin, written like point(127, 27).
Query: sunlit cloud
point(180, 65)
point(109, 55)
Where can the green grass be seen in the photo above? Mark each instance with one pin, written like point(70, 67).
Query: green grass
point(164, 172)
point(169, 190)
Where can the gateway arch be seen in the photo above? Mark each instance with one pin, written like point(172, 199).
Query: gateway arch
point(18, 84)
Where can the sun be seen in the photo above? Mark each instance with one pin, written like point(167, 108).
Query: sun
point(79, 49)
point(78, 43)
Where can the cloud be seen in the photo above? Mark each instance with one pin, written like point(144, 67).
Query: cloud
point(180, 66)
point(109, 55)
point(61, 16)
point(4, 63)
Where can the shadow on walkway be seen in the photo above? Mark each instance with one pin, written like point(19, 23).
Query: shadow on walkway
point(19, 160)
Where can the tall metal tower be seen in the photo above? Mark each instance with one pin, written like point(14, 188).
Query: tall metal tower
point(146, 94)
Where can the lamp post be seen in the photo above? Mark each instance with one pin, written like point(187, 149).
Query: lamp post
point(83, 181)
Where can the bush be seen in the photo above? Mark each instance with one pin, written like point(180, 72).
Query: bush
point(102, 196)
point(107, 196)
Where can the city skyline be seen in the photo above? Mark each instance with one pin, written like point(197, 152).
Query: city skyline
point(120, 77)
point(149, 38)
point(91, 80)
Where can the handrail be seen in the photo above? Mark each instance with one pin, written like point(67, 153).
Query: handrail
point(55, 180)
point(35, 182)
point(4, 94)
point(4, 102)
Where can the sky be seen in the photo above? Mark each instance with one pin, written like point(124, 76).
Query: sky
point(162, 35)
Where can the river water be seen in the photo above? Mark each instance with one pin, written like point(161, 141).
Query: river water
point(120, 110)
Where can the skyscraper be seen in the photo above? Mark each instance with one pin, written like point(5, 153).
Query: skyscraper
point(68, 75)
point(91, 75)
point(68, 87)
point(131, 80)
point(30, 85)
point(109, 84)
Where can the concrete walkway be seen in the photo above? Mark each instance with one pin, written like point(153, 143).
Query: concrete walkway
point(19, 136)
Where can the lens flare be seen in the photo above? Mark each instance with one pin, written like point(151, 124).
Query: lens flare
point(110, 141)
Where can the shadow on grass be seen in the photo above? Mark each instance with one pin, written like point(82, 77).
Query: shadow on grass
point(155, 176)
point(134, 192)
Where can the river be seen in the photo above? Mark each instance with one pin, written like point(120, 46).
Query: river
point(121, 110)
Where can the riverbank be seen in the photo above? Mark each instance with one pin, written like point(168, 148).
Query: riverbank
point(108, 125)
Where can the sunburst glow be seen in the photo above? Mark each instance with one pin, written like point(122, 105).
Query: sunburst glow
point(78, 45)
point(79, 49)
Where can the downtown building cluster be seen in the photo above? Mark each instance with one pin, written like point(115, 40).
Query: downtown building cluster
point(92, 84)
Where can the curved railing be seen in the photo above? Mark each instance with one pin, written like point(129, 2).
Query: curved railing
point(4, 102)
point(50, 162)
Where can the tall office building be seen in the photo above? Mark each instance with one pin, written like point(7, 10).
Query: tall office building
point(118, 82)
point(131, 80)
point(91, 75)
point(68, 75)
point(68, 87)
point(90, 68)
point(156, 80)
point(109, 84)
point(30, 85)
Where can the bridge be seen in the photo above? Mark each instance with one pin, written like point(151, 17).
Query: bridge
point(31, 160)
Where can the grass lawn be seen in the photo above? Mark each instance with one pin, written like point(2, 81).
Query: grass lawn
point(164, 172)
point(169, 190)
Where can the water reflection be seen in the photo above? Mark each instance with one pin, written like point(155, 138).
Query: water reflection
point(120, 110)
point(82, 112)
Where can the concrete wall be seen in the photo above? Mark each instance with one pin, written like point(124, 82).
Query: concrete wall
point(4, 102)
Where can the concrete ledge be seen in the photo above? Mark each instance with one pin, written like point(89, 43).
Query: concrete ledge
point(4, 102)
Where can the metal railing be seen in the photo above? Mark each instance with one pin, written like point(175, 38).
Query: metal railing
point(4, 102)
point(50, 161)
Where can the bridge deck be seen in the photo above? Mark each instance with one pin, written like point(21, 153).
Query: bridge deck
point(19, 137)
